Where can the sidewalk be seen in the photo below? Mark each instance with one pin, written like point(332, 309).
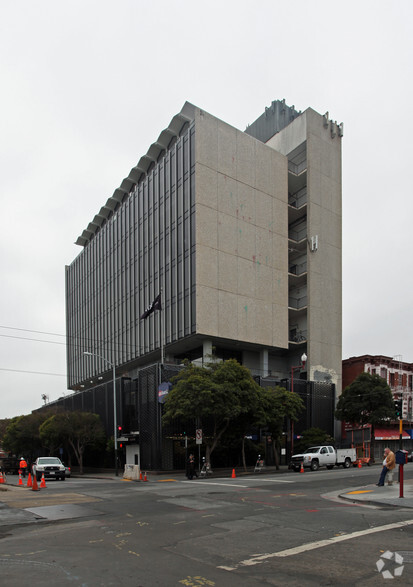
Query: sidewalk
point(382, 496)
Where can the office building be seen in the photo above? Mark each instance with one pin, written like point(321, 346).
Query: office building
point(240, 233)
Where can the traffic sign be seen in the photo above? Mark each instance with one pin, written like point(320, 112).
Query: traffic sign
point(199, 436)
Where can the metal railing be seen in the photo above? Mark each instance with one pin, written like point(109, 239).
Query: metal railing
point(298, 336)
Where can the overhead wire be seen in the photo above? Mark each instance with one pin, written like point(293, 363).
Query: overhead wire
point(32, 339)
point(62, 344)
point(82, 342)
point(33, 372)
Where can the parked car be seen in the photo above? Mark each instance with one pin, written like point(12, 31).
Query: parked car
point(50, 467)
point(410, 456)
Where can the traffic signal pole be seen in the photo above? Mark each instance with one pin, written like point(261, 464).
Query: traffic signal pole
point(398, 406)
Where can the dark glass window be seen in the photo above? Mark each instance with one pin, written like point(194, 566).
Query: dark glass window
point(146, 244)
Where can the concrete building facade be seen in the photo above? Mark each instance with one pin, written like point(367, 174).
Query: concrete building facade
point(240, 233)
point(312, 145)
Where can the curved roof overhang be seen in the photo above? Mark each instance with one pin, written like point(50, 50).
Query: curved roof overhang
point(139, 171)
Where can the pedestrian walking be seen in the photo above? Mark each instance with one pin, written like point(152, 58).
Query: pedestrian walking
point(389, 463)
point(191, 467)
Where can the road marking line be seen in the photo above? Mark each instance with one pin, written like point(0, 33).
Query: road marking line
point(210, 483)
point(270, 480)
point(260, 558)
point(132, 552)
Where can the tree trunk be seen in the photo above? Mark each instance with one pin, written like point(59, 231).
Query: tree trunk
point(209, 449)
point(208, 454)
point(78, 450)
point(275, 453)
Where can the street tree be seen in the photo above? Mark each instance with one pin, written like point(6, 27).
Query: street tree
point(213, 396)
point(280, 405)
point(251, 416)
point(367, 400)
point(3, 426)
point(22, 436)
point(79, 430)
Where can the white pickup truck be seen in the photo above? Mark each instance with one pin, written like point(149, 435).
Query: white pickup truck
point(323, 456)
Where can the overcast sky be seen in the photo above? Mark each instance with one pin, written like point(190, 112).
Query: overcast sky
point(87, 86)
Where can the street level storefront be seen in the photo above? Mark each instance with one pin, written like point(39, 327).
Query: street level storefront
point(390, 438)
point(390, 434)
point(359, 437)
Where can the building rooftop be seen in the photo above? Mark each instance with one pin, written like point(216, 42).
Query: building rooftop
point(138, 172)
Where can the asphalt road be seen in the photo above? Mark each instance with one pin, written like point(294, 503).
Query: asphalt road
point(269, 529)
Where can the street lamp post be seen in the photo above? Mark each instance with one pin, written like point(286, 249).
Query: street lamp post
point(303, 362)
point(115, 424)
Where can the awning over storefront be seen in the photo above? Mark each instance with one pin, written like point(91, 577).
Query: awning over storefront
point(389, 434)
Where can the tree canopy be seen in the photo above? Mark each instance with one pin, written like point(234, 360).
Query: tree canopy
point(3, 426)
point(22, 436)
point(217, 394)
point(367, 400)
point(225, 398)
point(79, 430)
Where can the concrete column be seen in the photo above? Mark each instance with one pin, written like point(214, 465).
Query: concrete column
point(264, 363)
point(207, 351)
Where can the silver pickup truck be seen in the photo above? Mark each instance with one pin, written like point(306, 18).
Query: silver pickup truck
point(323, 456)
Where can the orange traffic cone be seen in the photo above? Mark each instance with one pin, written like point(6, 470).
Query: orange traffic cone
point(20, 478)
point(43, 482)
point(1, 478)
point(233, 476)
point(145, 477)
point(34, 484)
point(302, 468)
point(140, 477)
point(29, 480)
point(359, 465)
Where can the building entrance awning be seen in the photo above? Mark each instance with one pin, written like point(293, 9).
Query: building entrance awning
point(389, 434)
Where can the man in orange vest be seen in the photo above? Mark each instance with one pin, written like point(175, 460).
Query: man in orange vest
point(23, 466)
